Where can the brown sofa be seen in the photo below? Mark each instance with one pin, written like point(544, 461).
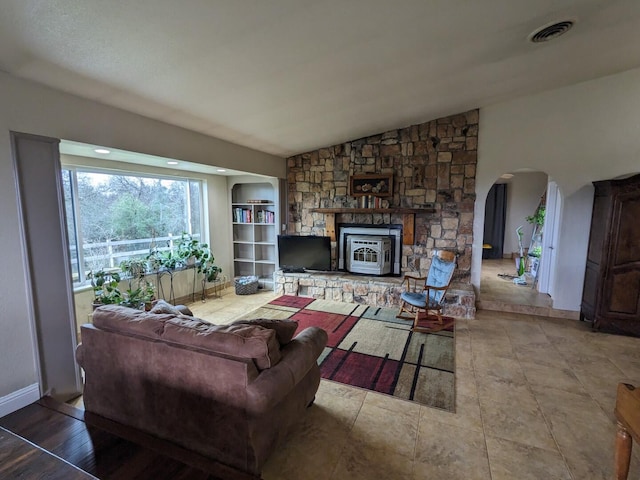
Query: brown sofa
point(229, 392)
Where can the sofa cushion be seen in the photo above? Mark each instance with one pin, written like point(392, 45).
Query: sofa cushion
point(162, 306)
point(285, 329)
point(117, 318)
point(244, 341)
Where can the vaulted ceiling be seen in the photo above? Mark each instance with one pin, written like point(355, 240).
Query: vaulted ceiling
point(289, 76)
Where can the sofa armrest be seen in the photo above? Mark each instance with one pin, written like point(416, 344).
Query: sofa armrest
point(298, 357)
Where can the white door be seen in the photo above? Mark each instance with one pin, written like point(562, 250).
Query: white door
point(546, 274)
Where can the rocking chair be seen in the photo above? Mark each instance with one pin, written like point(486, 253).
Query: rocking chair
point(427, 294)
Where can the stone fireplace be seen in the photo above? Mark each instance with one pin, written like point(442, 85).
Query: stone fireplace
point(433, 168)
point(370, 249)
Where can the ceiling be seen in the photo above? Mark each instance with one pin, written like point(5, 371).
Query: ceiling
point(290, 76)
point(78, 149)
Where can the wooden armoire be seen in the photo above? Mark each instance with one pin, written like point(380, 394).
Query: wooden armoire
point(611, 295)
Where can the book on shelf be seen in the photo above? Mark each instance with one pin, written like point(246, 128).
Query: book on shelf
point(265, 216)
point(242, 215)
point(370, 201)
point(258, 201)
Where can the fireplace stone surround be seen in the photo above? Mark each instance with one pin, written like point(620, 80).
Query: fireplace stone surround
point(460, 300)
point(433, 166)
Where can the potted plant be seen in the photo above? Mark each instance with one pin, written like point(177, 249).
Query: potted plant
point(134, 269)
point(139, 298)
point(537, 219)
point(210, 272)
point(105, 288)
point(154, 260)
point(148, 295)
point(192, 252)
point(187, 249)
point(133, 298)
point(169, 260)
point(206, 266)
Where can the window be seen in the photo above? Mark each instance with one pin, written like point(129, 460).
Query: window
point(113, 217)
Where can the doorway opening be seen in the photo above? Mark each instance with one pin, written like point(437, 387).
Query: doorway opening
point(518, 244)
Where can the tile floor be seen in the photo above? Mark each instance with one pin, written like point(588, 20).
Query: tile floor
point(499, 293)
point(535, 398)
point(493, 287)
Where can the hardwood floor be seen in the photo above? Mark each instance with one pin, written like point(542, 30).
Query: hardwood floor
point(22, 459)
point(95, 449)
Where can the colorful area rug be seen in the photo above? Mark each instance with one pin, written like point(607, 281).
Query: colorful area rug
point(370, 348)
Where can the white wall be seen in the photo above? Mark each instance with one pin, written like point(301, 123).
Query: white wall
point(31, 108)
point(524, 191)
point(576, 134)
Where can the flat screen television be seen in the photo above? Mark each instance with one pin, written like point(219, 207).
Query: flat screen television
point(298, 253)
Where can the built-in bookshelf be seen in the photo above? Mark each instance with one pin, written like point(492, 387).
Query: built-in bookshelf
point(254, 219)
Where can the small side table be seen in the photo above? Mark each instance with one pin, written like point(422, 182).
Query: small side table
point(218, 287)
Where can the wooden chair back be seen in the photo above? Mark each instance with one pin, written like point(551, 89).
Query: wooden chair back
point(628, 415)
point(446, 255)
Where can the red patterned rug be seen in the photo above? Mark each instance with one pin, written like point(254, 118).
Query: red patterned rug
point(370, 348)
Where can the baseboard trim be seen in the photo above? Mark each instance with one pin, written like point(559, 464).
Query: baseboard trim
point(19, 399)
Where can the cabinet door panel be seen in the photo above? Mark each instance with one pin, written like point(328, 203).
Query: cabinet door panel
point(627, 247)
point(624, 293)
point(598, 228)
point(589, 295)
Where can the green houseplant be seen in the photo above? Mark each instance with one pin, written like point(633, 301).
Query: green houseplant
point(134, 269)
point(144, 294)
point(537, 219)
point(206, 266)
point(210, 272)
point(105, 287)
point(140, 297)
point(191, 251)
point(106, 291)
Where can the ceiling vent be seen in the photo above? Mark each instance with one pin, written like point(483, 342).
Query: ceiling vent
point(549, 32)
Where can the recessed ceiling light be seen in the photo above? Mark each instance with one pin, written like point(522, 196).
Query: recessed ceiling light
point(221, 170)
point(172, 163)
point(506, 176)
point(102, 151)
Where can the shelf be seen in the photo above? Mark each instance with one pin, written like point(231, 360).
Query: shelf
point(254, 223)
point(374, 210)
point(408, 219)
point(241, 204)
point(255, 241)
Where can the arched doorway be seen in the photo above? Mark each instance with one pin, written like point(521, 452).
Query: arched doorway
point(518, 243)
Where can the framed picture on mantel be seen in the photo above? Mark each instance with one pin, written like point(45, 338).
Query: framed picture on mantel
point(377, 185)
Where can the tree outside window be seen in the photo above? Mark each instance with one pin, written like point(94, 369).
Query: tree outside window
point(113, 217)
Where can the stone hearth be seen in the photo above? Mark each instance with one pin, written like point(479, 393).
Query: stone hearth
point(460, 300)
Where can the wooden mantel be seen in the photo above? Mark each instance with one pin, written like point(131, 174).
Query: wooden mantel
point(408, 219)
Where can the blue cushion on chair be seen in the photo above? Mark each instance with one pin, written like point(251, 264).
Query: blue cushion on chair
point(418, 299)
point(415, 299)
point(440, 274)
